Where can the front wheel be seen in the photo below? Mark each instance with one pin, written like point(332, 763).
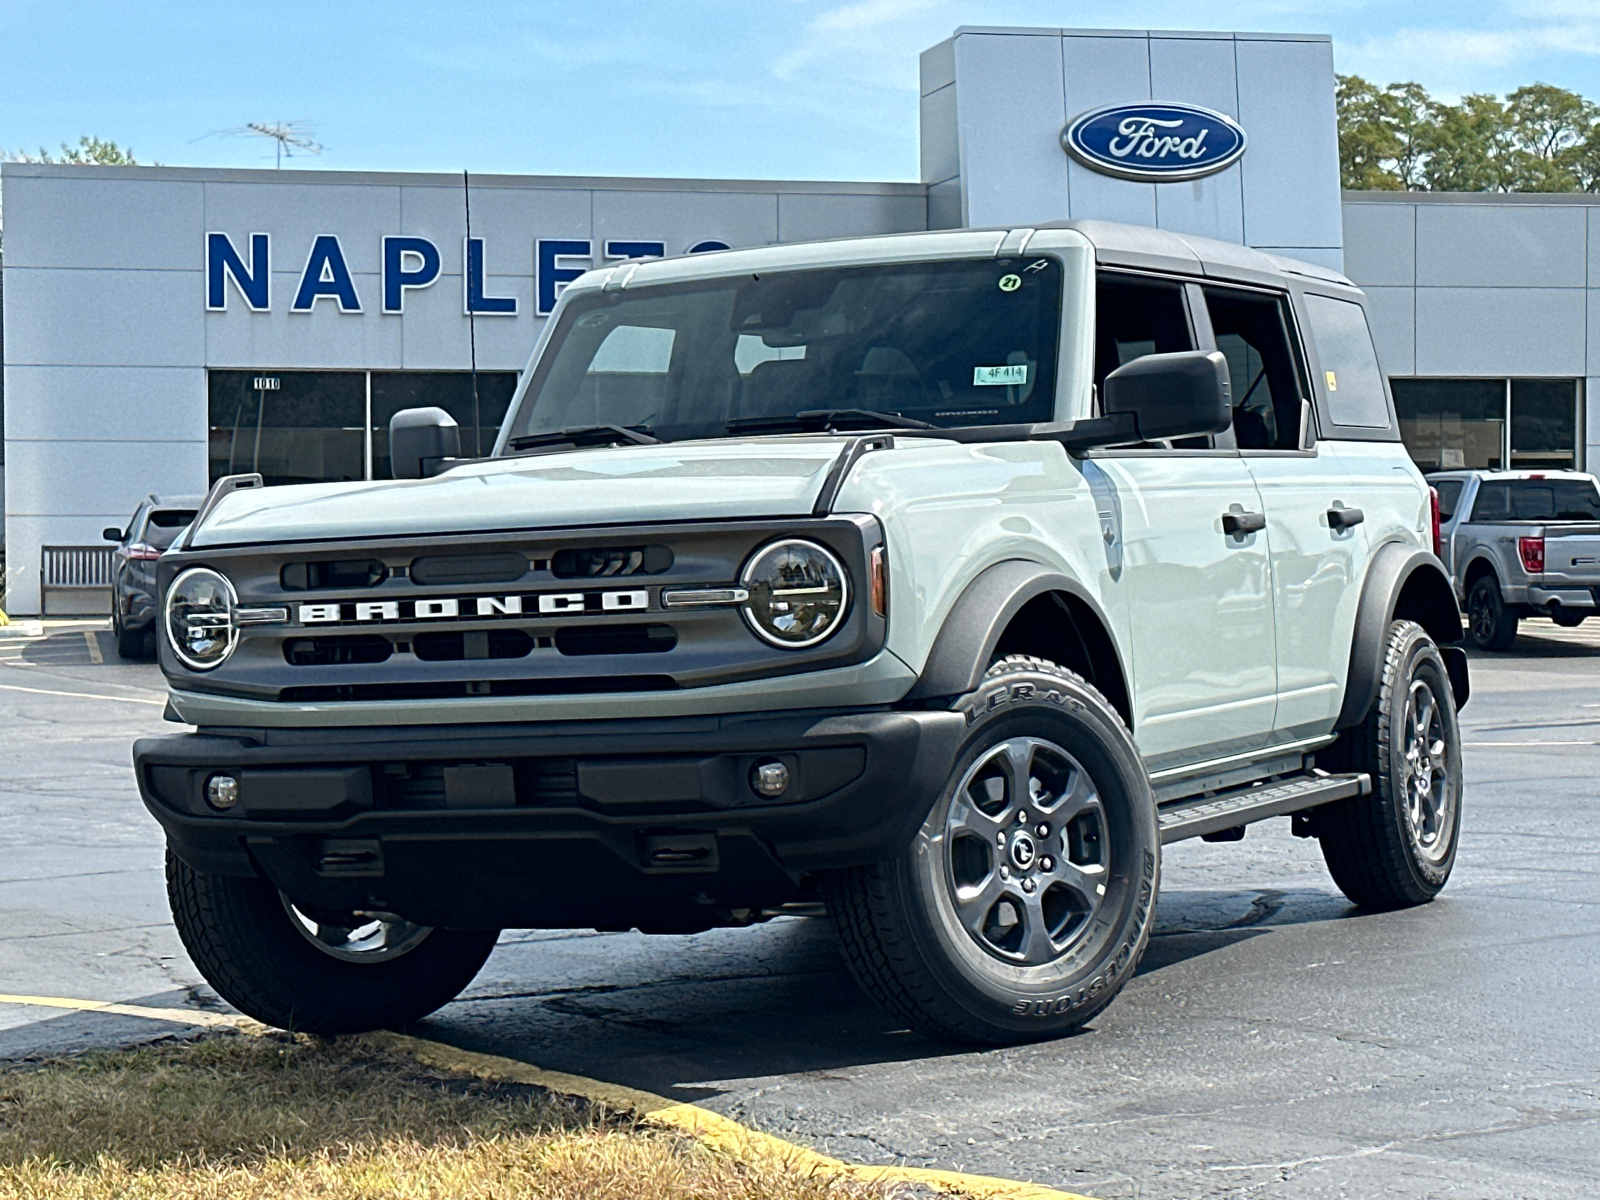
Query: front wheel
point(1023, 904)
point(306, 969)
point(1396, 846)
point(1489, 624)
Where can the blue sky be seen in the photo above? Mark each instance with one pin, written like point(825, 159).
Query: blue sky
point(798, 89)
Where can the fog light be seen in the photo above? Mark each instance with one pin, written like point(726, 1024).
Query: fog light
point(770, 778)
point(222, 791)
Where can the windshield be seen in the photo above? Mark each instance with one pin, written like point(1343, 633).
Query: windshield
point(948, 343)
point(1538, 500)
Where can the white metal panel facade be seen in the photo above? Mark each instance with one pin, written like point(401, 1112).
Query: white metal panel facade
point(109, 340)
point(1004, 96)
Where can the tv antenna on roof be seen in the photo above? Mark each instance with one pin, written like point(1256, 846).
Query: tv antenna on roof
point(292, 137)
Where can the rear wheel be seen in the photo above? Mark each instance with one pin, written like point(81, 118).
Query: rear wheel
point(1489, 624)
point(1023, 904)
point(303, 968)
point(1396, 846)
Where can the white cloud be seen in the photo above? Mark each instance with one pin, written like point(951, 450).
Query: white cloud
point(1530, 30)
point(869, 41)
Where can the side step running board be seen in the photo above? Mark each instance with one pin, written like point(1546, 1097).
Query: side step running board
point(1241, 806)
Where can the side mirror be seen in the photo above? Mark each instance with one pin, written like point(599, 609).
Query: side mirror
point(420, 440)
point(111, 533)
point(1187, 394)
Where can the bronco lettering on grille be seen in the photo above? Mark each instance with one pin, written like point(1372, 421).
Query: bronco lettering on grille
point(445, 608)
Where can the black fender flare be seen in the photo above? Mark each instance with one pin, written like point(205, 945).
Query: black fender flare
point(1397, 568)
point(966, 641)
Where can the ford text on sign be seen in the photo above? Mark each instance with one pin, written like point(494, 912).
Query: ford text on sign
point(1161, 142)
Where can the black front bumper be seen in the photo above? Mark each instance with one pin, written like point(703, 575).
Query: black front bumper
point(584, 824)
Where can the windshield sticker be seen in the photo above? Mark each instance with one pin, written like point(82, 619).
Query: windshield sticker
point(1010, 283)
point(1015, 374)
point(1333, 381)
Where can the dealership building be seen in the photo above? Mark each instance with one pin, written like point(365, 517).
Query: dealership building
point(163, 327)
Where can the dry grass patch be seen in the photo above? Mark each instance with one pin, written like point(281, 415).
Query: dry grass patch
point(231, 1117)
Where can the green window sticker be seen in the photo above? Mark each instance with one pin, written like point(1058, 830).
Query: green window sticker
point(1013, 375)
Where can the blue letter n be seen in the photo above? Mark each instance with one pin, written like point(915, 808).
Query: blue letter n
point(253, 281)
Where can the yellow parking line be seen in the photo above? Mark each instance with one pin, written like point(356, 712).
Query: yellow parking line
point(178, 1016)
point(94, 647)
point(713, 1129)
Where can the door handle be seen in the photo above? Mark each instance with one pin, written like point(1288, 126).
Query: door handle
point(1345, 518)
point(1240, 523)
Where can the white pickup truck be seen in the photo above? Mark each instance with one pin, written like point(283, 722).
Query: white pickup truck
point(938, 579)
point(1520, 544)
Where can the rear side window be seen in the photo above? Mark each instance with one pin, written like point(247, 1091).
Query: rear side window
point(1351, 381)
point(1538, 500)
point(1449, 494)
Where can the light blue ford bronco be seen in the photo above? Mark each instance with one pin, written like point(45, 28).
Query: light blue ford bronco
point(935, 581)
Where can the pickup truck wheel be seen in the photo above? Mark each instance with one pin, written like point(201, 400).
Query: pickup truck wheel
point(1396, 846)
point(314, 971)
point(1023, 904)
point(1489, 625)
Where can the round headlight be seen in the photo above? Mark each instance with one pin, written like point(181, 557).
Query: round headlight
point(798, 593)
point(199, 618)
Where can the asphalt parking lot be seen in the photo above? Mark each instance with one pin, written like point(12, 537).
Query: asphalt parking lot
point(1276, 1043)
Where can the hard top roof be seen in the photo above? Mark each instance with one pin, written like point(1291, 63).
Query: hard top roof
point(1134, 246)
point(1141, 246)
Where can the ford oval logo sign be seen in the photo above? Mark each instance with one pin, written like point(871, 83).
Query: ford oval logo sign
point(1161, 142)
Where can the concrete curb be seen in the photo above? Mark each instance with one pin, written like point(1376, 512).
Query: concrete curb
point(721, 1133)
point(22, 629)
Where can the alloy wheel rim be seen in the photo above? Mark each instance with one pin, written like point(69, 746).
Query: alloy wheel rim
point(1426, 776)
point(367, 937)
point(1482, 618)
point(1024, 851)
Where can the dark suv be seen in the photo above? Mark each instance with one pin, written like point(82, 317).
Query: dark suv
point(155, 525)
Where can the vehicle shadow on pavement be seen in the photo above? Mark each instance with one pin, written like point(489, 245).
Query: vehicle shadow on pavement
point(678, 1015)
point(1192, 923)
point(66, 649)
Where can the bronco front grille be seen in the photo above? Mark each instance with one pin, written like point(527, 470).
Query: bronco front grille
point(517, 614)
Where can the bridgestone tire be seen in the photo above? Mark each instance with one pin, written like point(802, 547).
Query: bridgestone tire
point(242, 939)
point(904, 938)
point(1375, 851)
point(1490, 625)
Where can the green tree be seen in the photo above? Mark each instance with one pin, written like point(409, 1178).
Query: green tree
point(1468, 146)
point(1540, 138)
point(89, 152)
point(1379, 132)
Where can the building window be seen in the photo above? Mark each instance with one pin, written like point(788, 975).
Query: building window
point(290, 426)
point(1544, 423)
point(450, 390)
point(333, 426)
point(1488, 424)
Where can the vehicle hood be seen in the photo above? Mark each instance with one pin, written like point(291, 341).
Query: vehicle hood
point(730, 479)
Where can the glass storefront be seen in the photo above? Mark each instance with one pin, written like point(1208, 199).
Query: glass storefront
point(478, 415)
point(1489, 424)
point(332, 426)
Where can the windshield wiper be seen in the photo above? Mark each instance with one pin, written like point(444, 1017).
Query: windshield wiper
point(586, 435)
point(828, 419)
